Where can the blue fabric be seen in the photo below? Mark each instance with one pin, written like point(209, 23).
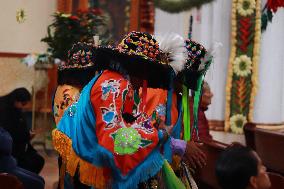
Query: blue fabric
point(6, 142)
point(8, 164)
point(175, 134)
point(80, 128)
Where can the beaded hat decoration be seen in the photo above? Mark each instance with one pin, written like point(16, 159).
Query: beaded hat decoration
point(167, 49)
point(196, 53)
point(138, 55)
point(197, 63)
point(138, 43)
point(81, 55)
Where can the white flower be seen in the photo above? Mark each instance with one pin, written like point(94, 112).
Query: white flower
point(246, 7)
point(237, 123)
point(30, 59)
point(242, 66)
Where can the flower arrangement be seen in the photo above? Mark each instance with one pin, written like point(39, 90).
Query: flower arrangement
point(242, 77)
point(175, 6)
point(68, 29)
point(39, 61)
point(246, 7)
point(242, 66)
point(237, 123)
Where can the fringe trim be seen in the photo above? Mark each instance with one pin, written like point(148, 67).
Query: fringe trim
point(89, 174)
point(149, 168)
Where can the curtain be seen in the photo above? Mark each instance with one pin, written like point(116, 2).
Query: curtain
point(211, 23)
point(269, 102)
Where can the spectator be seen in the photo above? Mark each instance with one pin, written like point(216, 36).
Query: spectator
point(239, 167)
point(203, 126)
point(8, 164)
point(12, 120)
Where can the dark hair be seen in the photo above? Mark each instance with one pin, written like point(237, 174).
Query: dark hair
point(8, 112)
point(235, 166)
point(17, 95)
point(74, 76)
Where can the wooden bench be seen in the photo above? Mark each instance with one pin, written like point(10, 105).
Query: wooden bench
point(277, 180)
point(249, 131)
point(205, 177)
point(268, 143)
point(8, 181)
point(270, 148)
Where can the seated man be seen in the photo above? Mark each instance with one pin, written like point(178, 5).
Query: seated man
point(239, 167)
point(9, 165)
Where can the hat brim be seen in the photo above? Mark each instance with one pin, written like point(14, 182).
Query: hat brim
point(158, 75)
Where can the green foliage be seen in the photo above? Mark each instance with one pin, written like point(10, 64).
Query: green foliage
point(175, 6)
point(68, 29)
point(266, 17)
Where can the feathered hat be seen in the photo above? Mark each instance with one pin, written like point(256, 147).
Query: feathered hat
point(197, 63)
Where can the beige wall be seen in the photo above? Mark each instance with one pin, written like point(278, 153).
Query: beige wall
point(25, 37)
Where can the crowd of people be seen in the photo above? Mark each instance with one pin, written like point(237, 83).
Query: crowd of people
point(130, 116)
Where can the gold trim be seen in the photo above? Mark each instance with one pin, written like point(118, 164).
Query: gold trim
point(89, 174)
point(230, 70)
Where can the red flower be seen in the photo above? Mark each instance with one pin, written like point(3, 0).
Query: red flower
point(274, 4)
point(97, 11)
point(81, 11)
point(74, 17)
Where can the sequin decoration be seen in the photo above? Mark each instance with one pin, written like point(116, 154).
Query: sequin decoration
point(72, 109)
point(161, 110)
point(110, 86)
point(127, 141)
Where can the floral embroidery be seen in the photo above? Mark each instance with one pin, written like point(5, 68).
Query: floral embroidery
point(127, 140)
point(110, 86)
point(109, 116)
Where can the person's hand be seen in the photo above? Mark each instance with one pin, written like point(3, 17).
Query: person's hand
point(194, 156)
point(165, 127)
point(32, 134)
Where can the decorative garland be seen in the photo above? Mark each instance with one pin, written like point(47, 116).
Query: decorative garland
point(243, 64)
point(270, 8)
point(175, 6)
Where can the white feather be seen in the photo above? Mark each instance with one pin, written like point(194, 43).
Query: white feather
point(173, 45)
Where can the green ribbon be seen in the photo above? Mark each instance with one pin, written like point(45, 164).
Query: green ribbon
point(186, 113)
point(196, 102)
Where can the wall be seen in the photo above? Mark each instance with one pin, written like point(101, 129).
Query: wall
point(25, 37)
